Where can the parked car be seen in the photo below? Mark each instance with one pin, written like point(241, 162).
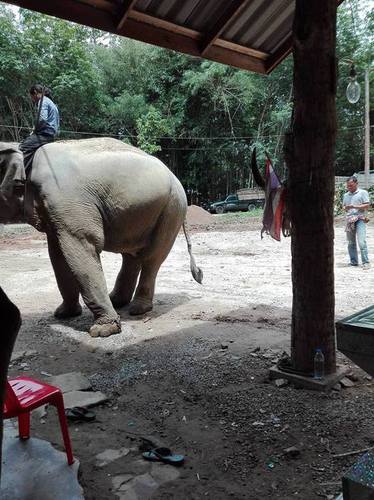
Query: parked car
point(233, 204)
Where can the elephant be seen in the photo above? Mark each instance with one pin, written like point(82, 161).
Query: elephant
point(91, 195)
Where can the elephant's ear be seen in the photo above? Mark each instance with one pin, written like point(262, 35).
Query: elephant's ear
point(13, 172)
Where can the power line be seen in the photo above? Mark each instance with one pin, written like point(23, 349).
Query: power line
point(170, 138)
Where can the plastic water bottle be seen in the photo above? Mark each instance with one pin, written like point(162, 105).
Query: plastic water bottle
point(319, 364)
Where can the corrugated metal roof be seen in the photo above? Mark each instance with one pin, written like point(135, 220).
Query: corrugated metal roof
point(250, 34)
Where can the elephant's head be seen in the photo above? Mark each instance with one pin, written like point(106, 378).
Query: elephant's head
point(12, 182)
point(275, 211)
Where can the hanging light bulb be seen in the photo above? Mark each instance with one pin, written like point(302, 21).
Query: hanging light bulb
point(353, 91)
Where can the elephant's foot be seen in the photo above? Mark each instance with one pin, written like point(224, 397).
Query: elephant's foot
point(105, 328)
point(118, 301)
point(68, 310)
point(140, 306)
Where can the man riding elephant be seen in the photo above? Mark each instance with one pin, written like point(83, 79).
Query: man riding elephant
point(93, 195)
point(47, 124)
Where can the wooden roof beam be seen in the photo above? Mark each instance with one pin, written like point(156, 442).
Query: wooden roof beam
point(124, 12)
point(234, 10)
point(164, 34)
point(70, 10)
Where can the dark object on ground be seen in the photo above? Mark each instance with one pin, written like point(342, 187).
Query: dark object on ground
point(358, 482)
point(285, 364)
point(163, 455)
point(79, 414)
point(10, 321)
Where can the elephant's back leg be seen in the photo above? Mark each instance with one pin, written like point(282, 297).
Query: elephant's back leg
point(124, 287)
point(153, 256)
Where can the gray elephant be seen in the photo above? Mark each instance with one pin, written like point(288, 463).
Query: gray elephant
point(92, 195)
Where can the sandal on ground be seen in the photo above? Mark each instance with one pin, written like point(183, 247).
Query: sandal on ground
point(79, 414)
point(164, 455)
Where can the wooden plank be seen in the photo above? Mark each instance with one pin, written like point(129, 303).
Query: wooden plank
point(164, 38)
point(156, 22)
point(124, 12)
point(234, 10)
point(71, 10)
point(101, 4)
point(240, 48)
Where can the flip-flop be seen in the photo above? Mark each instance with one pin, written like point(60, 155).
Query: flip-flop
point(79, 414)
point(163, 455)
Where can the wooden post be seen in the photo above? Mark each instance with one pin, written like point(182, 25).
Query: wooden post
point(367, 130)
point(309, 151)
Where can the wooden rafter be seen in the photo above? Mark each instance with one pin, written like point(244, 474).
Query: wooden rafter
point(124, 12)
point(234, 10)
point(167, 35)
point(281, 53)
point(72, 10)
point(101, 4)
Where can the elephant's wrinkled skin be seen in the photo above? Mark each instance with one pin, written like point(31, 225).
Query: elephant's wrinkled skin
point(10, 322)
point(93, 195)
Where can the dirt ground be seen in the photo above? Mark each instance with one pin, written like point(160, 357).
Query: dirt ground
point(193, 373)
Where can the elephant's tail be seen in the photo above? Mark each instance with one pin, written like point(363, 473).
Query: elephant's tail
point(197, 273)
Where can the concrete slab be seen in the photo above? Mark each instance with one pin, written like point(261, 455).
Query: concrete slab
point(84, 398)
point(34, 470)
point(74, 381)
point(325, 384)
point(19, 355)
point(108, 456)
point(143, 486)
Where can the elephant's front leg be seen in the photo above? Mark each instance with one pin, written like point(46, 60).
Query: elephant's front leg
point(84, 261)
point(66, 282)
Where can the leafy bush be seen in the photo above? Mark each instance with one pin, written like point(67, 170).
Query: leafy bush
point(340, 189)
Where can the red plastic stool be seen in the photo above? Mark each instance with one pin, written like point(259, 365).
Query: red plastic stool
point(23, 395)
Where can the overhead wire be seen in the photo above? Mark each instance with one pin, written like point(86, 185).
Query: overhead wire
point(171, 138)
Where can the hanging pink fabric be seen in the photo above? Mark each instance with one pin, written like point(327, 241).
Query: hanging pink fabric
point(274, 203)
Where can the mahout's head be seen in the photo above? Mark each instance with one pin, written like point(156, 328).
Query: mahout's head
point(37, 91)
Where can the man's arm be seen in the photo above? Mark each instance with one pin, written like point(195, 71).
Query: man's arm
point(362, 206)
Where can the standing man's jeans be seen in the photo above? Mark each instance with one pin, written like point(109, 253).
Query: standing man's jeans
point(360, 232)
point(29, 145)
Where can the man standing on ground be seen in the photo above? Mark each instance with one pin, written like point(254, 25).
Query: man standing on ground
point(355, 203)
point(46, 126)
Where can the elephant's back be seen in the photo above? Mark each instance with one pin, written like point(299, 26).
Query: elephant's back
point(103, 166)
point(91, 147)
point(96, 158)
